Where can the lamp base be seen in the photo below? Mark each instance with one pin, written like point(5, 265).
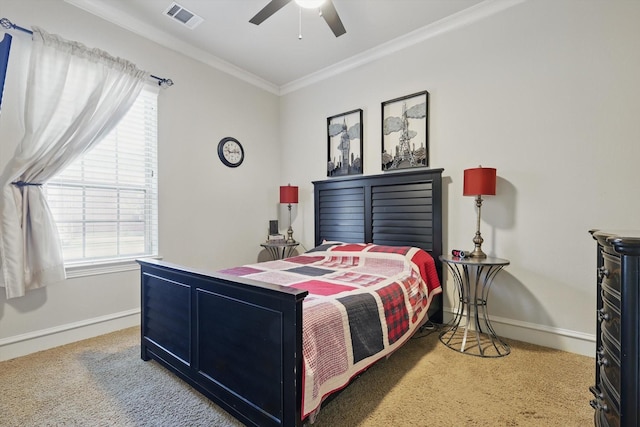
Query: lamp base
point(290, 238)
point(290, 230)
point(477, 249)
point(477, 253)
point(477, 240)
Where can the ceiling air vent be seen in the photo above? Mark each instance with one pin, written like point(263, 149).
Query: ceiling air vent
point(183, 16)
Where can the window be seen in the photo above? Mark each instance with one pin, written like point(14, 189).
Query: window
point(105, 203)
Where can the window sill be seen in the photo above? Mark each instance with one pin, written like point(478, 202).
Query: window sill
point(104, 267)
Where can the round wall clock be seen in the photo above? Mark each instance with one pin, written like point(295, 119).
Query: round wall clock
point(230, 152)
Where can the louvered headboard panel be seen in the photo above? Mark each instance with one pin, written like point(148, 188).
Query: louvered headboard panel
point(403, 214)
point(342, 214)
point(399, 209)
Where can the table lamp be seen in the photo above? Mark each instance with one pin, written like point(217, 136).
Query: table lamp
point(479, 182)
point(289, 195)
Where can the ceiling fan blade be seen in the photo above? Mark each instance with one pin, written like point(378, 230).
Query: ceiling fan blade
point(330, 14)
point(272, 7)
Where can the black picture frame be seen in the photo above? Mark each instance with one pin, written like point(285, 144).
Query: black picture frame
point(345, 144)
point(405, 132)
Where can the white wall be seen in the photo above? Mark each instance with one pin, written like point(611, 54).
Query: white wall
point(211, 216)
point(546, 92)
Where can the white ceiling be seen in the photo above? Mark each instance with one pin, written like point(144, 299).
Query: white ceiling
point(270, 54)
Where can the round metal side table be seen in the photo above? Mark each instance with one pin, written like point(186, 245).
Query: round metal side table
point(470, 331)
point(280, 250)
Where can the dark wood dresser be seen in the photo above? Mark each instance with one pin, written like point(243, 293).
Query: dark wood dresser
point(617, 373)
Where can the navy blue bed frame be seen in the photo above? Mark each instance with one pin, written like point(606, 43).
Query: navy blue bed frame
point(239, 342)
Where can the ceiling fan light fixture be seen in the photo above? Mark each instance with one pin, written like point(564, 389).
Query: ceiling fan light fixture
point(325, 7)
point(310, 4)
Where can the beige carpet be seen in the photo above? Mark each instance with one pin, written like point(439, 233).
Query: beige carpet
point(103, 382)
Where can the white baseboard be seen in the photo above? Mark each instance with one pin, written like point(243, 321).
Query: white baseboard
point(546, 336)
point(21, 345)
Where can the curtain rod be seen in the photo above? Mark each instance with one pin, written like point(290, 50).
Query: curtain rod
point(4, 22)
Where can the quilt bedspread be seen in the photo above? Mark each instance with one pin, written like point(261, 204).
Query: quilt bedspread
point(364, 302)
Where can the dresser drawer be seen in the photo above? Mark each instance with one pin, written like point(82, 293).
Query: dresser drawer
point(609, 316)
point(601, 413)
point(611, 272)
point(609, 409)
point(609, 376)
point(611, 295)
point(607, 413)
point(612, 346)
point(608, 395)
point(607, 418)
point(599, 419)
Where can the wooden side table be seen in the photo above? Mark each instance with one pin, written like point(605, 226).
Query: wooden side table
point(473, 278)
point(280, 250)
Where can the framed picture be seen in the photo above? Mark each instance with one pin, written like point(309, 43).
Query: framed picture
point(344, 141)
point(405, 137)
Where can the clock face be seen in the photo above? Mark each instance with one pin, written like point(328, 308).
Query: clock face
point(230, 152)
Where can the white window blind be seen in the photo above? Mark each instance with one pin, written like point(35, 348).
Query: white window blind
point(105, 203)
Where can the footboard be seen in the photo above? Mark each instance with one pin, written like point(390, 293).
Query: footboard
point(236, 341)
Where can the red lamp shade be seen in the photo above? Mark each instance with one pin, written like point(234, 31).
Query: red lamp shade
point(479, 181)
point(288, 194)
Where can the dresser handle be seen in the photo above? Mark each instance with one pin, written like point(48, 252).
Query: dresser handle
point(598, 394)
point(599, 404)
point(603, 361)
point(603, 272)
point(603, 315)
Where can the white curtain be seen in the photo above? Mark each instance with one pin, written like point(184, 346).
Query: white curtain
point(101, 89)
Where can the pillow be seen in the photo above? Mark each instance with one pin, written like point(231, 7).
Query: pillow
point(326, 244)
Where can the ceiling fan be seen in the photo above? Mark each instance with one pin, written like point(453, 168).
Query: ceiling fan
point(326, 8)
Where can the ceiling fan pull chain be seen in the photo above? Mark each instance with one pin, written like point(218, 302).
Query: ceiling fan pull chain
point(299, 22)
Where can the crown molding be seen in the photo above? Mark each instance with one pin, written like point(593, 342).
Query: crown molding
point(116, 17)
point(465, 17)
point(450, 23)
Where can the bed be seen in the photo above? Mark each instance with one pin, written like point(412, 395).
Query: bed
point(254, 366)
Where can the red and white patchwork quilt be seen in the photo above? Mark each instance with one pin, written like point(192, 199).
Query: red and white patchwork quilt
point(364, 302)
